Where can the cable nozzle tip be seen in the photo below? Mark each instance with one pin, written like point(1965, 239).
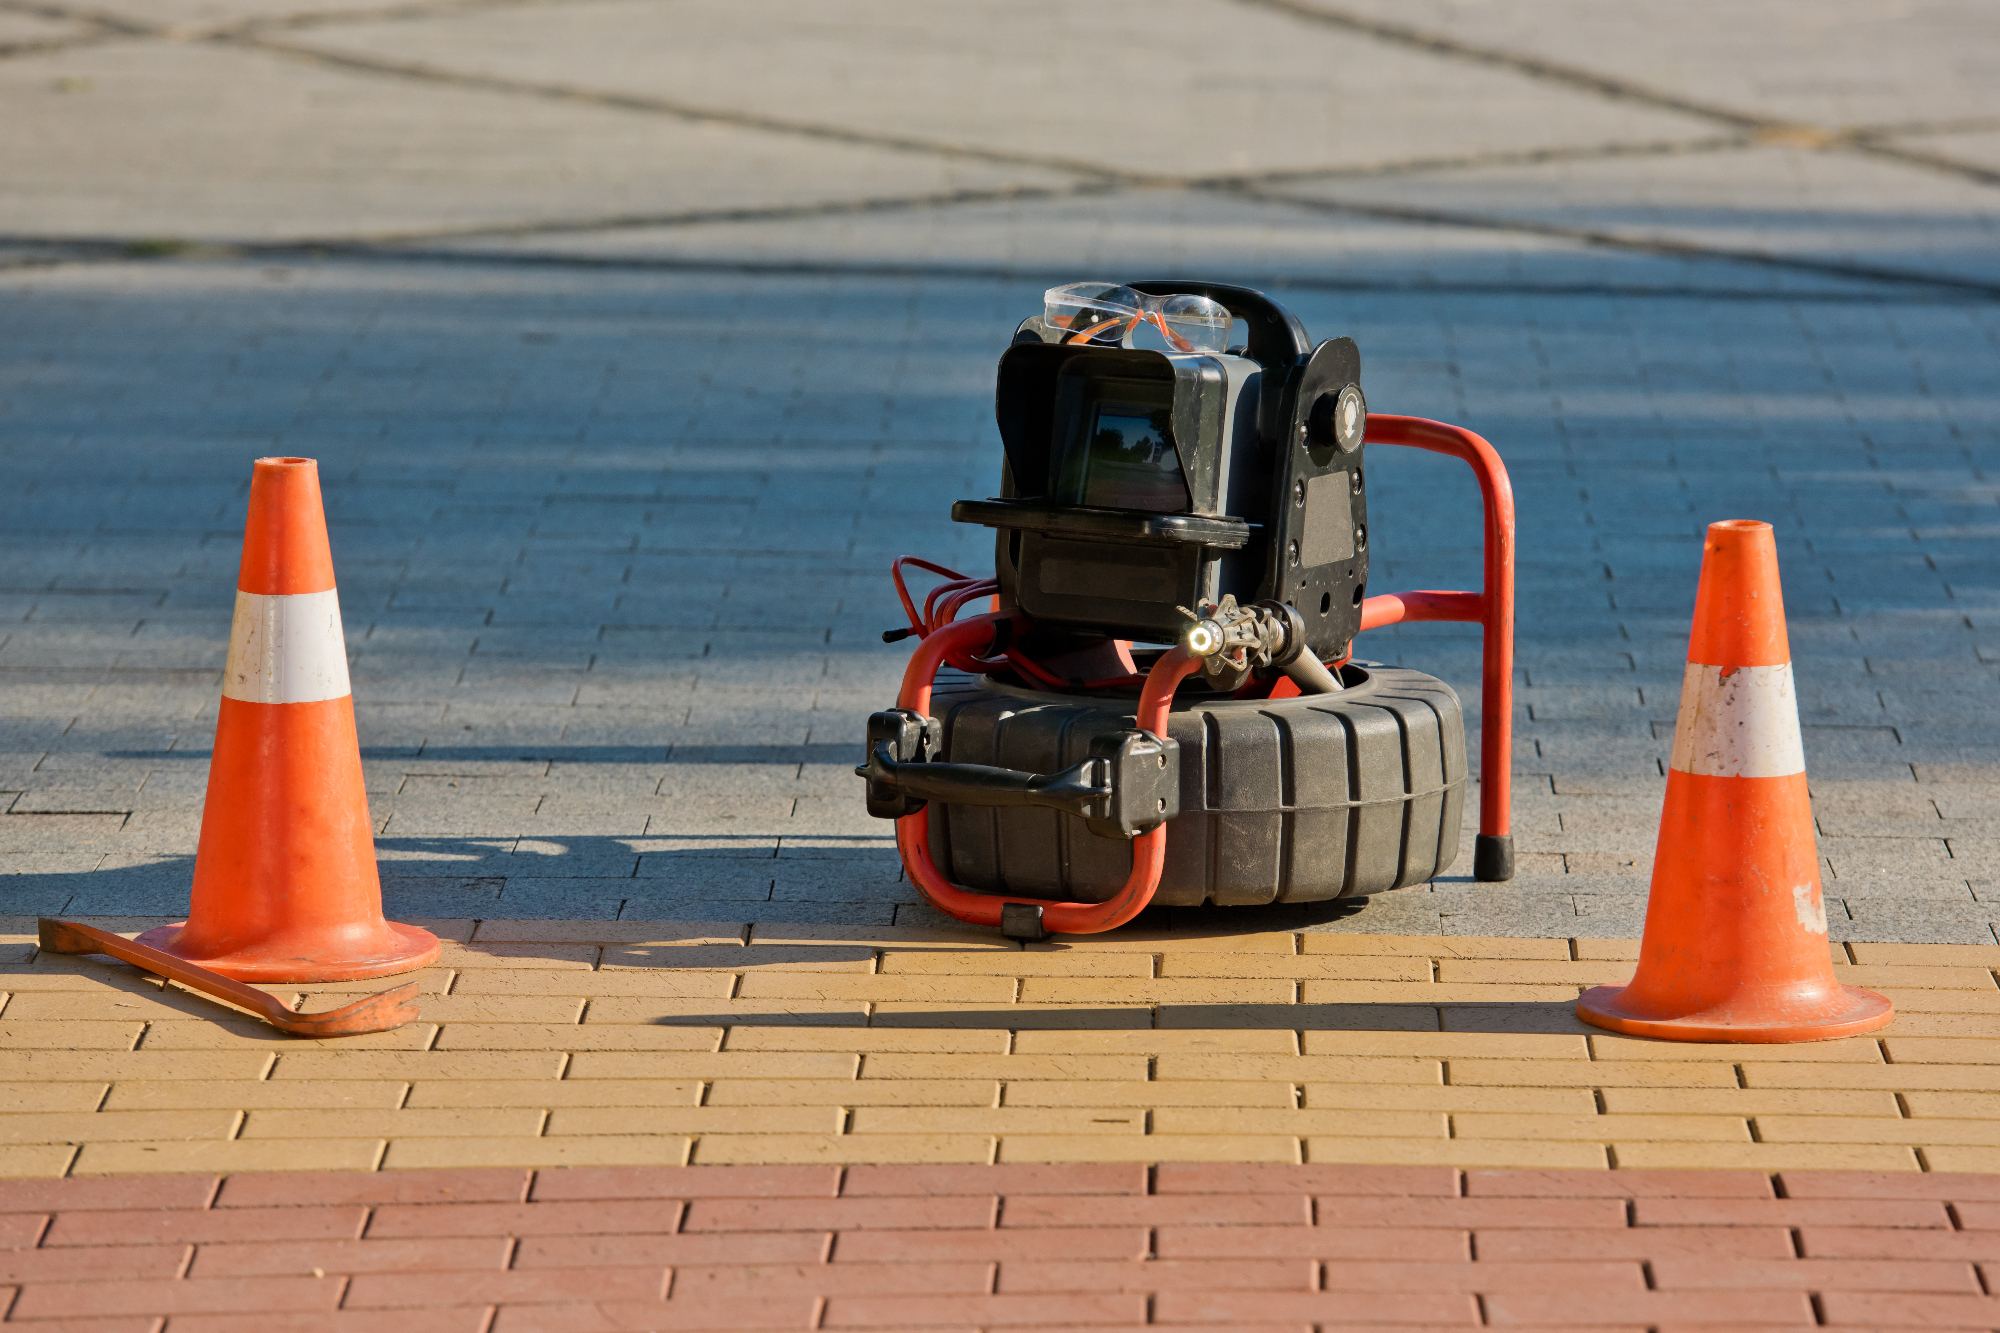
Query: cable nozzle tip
point(896, 635)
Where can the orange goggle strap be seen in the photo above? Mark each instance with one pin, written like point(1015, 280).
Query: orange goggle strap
point(1152, 317)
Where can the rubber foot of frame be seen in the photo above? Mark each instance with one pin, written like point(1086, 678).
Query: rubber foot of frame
point(1493, 857)
point(1022, 921)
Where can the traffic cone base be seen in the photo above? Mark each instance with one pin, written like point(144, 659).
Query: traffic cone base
point(1735, 946)
point(1821, 1015)
point(349, 955)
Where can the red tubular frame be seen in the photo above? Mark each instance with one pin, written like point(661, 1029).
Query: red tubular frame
point(1149, 850)
point(1493, 609)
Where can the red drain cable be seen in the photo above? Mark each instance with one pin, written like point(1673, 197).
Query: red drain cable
point(962, 639)
point(941, 608)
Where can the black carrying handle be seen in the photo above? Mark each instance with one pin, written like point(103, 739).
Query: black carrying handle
point(1129, 785)
point(1081, 789)
point(1277, 337)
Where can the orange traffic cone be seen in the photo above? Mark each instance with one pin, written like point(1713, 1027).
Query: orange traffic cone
point(1735, 946)
point(285, 887)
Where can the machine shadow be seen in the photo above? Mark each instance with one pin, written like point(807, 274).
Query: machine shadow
point(1539, 1018)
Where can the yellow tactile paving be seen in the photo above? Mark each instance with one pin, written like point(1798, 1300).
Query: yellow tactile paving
point(556, 1043)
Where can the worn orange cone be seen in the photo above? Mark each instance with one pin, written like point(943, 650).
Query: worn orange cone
point(1735, 946)
point(285, 886)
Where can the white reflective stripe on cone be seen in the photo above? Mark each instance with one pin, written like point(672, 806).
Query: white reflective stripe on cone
point(1744, 724)
point(286, 649)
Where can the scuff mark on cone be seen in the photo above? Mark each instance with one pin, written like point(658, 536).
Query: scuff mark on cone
point(1811, 907)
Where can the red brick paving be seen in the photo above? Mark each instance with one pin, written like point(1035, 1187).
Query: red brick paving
point(289, 1189)
point(1012, 1249)
point(140, 1226)
point(20, 1229)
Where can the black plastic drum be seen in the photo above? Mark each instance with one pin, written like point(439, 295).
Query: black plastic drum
point(1285, 800)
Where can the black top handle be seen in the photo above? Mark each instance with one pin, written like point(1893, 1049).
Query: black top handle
point(1277, 338)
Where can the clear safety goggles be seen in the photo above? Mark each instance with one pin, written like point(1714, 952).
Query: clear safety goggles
point(1106, 311)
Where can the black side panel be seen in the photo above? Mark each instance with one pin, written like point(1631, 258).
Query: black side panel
point(1025, 409)
point(1317, 559)
point(1201, 400)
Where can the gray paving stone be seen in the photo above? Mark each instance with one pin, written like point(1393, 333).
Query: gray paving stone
point(876, 851)
point(58, 835)
point(922, 915)
point(616, 456)
point(842, 913)
point(37, 895)
point(580, 898)
point(752, 846)
point(404, 904)
point(1964, 774)
point(1612, 916)
point(1402, 912)
point(570, 858)
point(1542, 921)
point(707, 876)
point(138, 897)
point(1902, 921)
point(694, 905)
point(453, 857)
point(746, 816)
point(843, 879)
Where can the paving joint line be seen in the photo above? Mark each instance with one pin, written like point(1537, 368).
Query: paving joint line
point(699, 115)
point(1767, 129)
point(99, 250)
point(1438, 44)
point(1499, 157)
point(695, 217)
point(1659, 245)
point(8, 50)
point(415, 10)
point(948, 198)
point(110, 27)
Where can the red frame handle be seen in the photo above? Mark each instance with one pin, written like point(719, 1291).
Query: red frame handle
point(1493, 609)
point(1149, 850)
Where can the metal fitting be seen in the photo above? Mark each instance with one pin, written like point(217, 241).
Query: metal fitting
point(1232, 640)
